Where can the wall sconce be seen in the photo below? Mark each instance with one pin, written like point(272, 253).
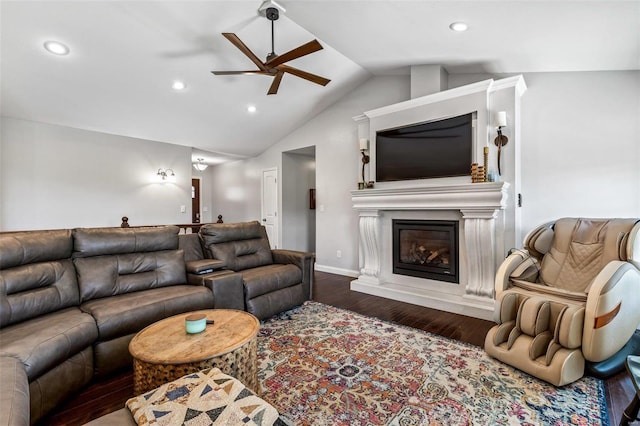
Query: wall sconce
point(500, 140)
point(166, 175)
point(200, 166)
point(364, 146)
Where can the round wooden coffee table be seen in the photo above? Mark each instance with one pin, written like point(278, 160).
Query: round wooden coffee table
point(164, 351)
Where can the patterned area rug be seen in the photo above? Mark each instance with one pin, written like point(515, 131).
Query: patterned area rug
point(321, 365)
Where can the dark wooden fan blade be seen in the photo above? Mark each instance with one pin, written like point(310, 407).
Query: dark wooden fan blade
point(276, 83)
point(244, 49)
point(303, 74)
point(240, 72)
point(298, 52)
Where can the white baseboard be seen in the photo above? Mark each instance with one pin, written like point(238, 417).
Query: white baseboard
point(338, 271)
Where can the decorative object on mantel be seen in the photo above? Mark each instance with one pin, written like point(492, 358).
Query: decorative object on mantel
point(219, 219)
point(500, 140)
point(369, 184)
point(478, 173)
point(125, 222)
point(364, 146)
point(486, 163)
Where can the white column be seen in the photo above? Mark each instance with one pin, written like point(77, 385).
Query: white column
point(479, 233)
point(369, 246)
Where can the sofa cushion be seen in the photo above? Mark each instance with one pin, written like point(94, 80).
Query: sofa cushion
point(29, 291)
point(190, 244)
point(101, 241)
point(239, 245)
point(103, 276)
point(36, 276)
point(46, 341)
point(266, 279)
point(128, 313)
point(21, 248)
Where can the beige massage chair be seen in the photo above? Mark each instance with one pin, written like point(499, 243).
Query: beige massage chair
point(572, 294)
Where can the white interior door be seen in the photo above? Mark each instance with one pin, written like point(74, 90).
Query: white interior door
point(270, 205)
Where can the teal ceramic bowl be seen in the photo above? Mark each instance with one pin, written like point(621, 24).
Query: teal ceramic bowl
point(195, 323)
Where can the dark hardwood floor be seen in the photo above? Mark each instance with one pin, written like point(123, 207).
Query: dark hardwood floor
point(109, 395)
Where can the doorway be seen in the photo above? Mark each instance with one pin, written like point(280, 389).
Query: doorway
point(298, 199)
point(195, 200)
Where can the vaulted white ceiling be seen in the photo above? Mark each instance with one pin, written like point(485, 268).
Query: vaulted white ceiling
point(126, 54)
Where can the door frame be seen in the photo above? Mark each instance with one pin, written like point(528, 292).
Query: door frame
point(199, 198)
point(275, 243)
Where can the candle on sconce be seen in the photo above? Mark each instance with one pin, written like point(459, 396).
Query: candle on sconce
point(501, 119)
point(364, 144)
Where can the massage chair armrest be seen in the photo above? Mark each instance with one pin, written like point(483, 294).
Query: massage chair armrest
point(14, 392)
point(506, 268)
point(302, 260)
point(611, 314)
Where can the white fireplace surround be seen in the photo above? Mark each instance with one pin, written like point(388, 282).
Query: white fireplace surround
point(478, 207)
point(487, 212)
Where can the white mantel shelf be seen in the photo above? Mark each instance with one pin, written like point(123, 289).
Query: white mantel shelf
point(479, 205)
point(465, 196)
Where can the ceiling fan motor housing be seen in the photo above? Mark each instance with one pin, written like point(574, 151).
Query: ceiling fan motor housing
point(272, 14)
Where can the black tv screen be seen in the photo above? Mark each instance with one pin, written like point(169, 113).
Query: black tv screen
point(428, 150)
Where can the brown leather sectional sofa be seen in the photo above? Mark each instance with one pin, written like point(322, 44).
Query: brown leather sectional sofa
point(71, 300)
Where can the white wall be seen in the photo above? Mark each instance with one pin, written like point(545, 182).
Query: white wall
point(580, 153)
point(60, 177)
point(580, 144)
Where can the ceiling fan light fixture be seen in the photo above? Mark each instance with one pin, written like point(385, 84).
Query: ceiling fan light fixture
point(459, 27)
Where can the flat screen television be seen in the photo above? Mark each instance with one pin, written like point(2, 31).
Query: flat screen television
point(428, 150)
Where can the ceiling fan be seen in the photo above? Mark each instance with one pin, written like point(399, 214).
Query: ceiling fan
point(275, 65)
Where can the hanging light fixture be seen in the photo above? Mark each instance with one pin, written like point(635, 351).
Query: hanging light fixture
point(200, 166)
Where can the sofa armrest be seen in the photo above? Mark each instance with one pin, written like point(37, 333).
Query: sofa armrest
point(302, 260)
point(227, 288)
point(611, 314)
point(14, 395)
point(204, 266)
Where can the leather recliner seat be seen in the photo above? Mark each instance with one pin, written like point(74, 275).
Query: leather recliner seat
point(42, 325)
point(129, 279)
point(273, 280)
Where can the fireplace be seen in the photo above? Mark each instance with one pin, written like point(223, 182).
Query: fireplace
point(426, 249)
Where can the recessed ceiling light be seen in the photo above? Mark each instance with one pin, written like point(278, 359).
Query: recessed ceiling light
point(251, 108)
point(56, 48)
point(178, 85)
point(459, 26)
